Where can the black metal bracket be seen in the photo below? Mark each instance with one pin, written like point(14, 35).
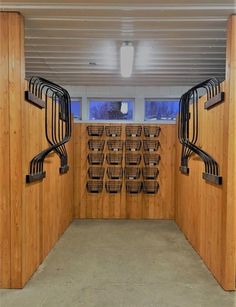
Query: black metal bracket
point(212, 178)
point(220, 97)
point(38, 102)
point(35, 177)
point(184, 169)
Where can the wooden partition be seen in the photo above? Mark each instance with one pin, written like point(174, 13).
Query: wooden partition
point(206, 212)
point(32, 216)
point(124, 205)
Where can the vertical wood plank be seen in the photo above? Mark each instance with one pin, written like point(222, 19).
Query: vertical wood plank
point(5, 210)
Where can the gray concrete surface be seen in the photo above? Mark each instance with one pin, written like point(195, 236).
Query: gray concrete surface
point(121, 264)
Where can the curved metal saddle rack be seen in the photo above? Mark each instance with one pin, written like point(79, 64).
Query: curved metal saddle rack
point(57, 104)
point(188, 138)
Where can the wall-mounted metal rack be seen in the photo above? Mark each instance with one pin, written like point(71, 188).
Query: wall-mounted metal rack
point(95, 158)
point(95, 130)
point(94, 186)
point(133, 158)
point(151, 131)
point(96, 172)
point(115, 145)
point(132, 173)
point(133, 187)
point(133, 131)
point(150, 173)
point(113, 186)
point(113, 131)
point(115, 172)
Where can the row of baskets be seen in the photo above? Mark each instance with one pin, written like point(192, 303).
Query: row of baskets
point(133, 187)
point(130, 145)
point(117, 158)
point(130, 131)
point(129, 173)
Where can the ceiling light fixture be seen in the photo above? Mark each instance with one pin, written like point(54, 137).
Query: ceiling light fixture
point(126, 59)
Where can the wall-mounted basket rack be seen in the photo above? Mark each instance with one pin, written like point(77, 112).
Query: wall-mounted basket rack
point(133, 145)
point(96, 172)
point(115, 145)
point(114, 158)
point(133, 187)
point(96, 145)
point(95, 130)
point(151, 145)
point(151, 131)
point(115, 172)
point(132, 159)
point(94, 186)
point(151, 159)
point(132, 173)
point(113, 131)
point(95, 158)
point(133, 131)
point(150, 187)
point(150, 173)
point(113, 186)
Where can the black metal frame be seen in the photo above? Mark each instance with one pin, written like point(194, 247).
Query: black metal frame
point(57, 103)
point(189, 140)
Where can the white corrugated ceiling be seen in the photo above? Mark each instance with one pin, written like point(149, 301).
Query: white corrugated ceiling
point(77, 42)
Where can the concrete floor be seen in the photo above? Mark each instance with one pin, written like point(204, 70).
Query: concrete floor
point(121, 264)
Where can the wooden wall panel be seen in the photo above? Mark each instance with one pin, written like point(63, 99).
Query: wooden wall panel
point(124, 205)
point(32, 216)
point(207, 213)
point(5, 210)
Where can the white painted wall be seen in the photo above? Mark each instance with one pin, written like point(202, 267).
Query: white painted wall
point(139, 93)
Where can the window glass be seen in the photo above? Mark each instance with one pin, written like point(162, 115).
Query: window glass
point(161, 109)
point(111, 109)
point(76, 108)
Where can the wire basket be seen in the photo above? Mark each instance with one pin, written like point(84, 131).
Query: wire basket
point(150, 187)
point(151, 145)
point(95, 158)
point(150, 173)
point(115, 172)
point(95, 130)
point(96, 172)
point(151, 131)
point(133, 187)
point(96, 145)
point(113, 131)
point(115, 145)
point(113, 186)
point(132, 159)
point(94, 186)
point(133, 131)
point(151, 159)
point(132, 173)
point(133, 145)
point(114, 158)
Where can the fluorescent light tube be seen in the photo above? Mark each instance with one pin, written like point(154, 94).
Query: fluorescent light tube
point(126, 59)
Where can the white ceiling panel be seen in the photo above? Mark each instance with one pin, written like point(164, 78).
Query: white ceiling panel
point(77, 43)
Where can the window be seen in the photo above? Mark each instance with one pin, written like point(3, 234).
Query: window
point(161, 109)
point(76, 108)
point(111, 109)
